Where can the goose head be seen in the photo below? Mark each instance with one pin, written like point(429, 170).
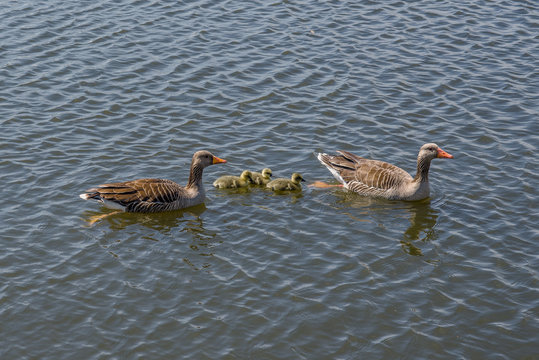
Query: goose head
point(426, 154)
point(431, 151)
point(205, 158)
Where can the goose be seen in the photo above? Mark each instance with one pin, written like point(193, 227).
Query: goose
point(153, 195)
point(292, 184)
point(233, 182)
point(261, 178)
point(379, 179)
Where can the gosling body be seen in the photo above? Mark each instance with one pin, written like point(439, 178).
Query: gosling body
point(261, 178)
point(281, 184)
point(234, 182)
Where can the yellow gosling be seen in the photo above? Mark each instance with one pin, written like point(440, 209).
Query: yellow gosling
point(262, 178)
point(234, 182)
point(292, 184)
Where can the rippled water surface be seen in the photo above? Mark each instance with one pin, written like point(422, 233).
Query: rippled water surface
point(99, 91)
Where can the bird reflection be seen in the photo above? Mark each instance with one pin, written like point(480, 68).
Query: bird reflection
point(163, 221)
point(422, 223)
point(421, 215)
point(169, 225)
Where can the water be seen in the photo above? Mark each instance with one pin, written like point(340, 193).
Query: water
point(108, 91)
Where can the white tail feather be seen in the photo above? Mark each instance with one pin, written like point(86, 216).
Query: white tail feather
point(334, 172)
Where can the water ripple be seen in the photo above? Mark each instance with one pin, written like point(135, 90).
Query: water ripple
point(102, 91)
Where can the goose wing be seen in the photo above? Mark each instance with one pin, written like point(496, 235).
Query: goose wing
point(364, 175)
point(130, 193)
point(373, 174)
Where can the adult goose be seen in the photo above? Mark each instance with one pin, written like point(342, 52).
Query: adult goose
point(153, 195)
point(380, 179)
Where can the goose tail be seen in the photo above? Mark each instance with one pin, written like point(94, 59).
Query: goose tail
point(326, 160)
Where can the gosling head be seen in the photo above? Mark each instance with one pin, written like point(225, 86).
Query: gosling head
point(267, 173)
point(297, 178)
point(247, 176)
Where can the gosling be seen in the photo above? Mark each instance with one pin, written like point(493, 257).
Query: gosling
point(294, 184)
point(261, 178)
point(234, 182)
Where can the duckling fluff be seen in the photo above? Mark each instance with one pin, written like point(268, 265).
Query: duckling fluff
point(293, 184)
point(261, 178)
point(234, 182)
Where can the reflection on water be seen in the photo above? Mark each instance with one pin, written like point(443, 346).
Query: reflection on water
point(422, 223)
point(162, 222)
point(105, 91)
point(294, 196)
point(421, 215)
point(170, 225)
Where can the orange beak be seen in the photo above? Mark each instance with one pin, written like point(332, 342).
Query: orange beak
point(443, 154)
point(217, 160)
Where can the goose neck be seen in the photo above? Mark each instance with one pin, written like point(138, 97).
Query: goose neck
point(195, 175)
point(423, 166)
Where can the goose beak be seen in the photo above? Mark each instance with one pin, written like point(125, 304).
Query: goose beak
point(217, 160)
point(443, 154)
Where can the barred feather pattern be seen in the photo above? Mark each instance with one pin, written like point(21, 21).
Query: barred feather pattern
point(147, 195)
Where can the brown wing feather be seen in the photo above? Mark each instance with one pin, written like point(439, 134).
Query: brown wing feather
point(361, 174)
point(141, 190)
point(350, 157)
point(379, 174)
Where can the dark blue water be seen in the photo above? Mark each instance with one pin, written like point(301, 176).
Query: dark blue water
point(93, 92)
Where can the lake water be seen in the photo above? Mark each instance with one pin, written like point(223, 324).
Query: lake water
point(100, 91)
